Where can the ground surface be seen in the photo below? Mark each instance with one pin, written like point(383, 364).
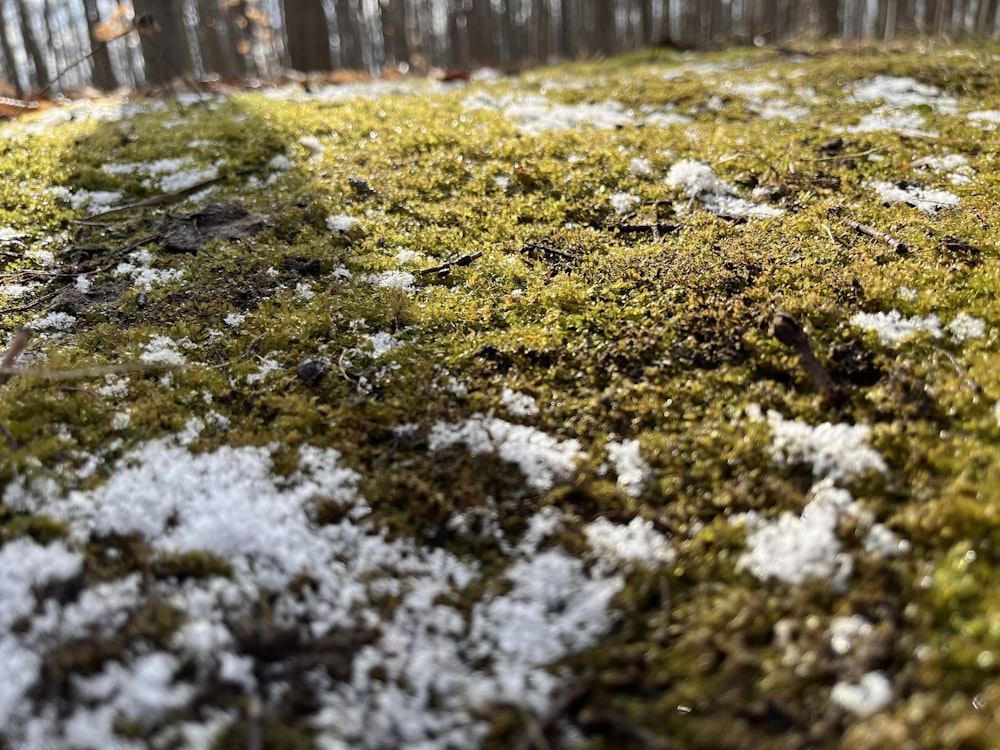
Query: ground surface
point(483, 430)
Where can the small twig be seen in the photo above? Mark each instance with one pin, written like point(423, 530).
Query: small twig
point(842, 156)
point(17, 346)
point(84, 372)
point(25, 308)
point(445, 268)
point(897, 245)
point(157, 200)
point(787, 330)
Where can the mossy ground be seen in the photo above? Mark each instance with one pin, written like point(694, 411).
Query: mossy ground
point(616, 334)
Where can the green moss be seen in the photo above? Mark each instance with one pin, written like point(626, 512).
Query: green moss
point(616, 332)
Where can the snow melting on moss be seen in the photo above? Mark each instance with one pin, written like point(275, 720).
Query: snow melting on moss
point(430, 670)
point(892, 327)
point(698, 181)
point(542, 459)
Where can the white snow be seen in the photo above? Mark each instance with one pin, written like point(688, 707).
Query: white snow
point(836, 451)
point(401, 279)
point(162, 350)
point(341, 223)
point(927, 200)
point(543, 459)
point(871, 694)
point(892, 327)
point(897, 91)
point(624, 203)
point(795, 549)
point(699, 181)
point(844, 632)
point(964, 327)
point(632, 470)
point(518, 404)
point(636, 542)
point(54, 321)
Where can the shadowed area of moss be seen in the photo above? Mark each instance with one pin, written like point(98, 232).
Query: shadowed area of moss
point(425, 254)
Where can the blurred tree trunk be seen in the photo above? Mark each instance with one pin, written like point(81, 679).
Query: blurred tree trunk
point(985, 17)
point(218, 49)
point(10, 65)
point(604, 42)
point(32, 47)
point(349, 34)
point(308, 35)
point(165, 51)
point(394, 31)
point(103, 73)
point(829, 25)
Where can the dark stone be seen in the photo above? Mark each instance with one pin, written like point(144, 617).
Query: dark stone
point(189, 232)
point(311, 371)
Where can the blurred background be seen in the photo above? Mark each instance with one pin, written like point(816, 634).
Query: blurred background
point(72, 45)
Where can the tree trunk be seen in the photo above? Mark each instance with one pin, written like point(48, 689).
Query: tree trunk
point(394, 31)
point(829, 25)
point(308, 35)
point(349, 34)
point(32, 47)
point(218, 48)
point(10, 66)
point(165, 51)
point(103, 73)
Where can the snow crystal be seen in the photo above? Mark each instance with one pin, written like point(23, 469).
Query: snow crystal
point(640, 166)
point(965, 326)
point(401, 279)
point(381, 343)
point(543, 459)
point(56, 321)
point(267, 366)
point(280, 163)
point(896, 91)
point(234, 319)
point(871, 694)
point(184, 179)
point(15, 291)
point(907, 123)
point(926, 199)
point(142, 693)
point(518, 404)
point(637, 542)
point(629, 465)
point(836, 451)
point(341, 223)
point(534, 114)
point(698, 180)
point(162, 350)
point(795, 549)
point(624, 203)
point(892, 327)
point(844, 632)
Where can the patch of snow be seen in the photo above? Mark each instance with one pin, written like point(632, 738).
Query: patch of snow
point(234, 319)
point(55, 321)
point(534, 114)
point(624, 203)
point(699, 181)
point(636, 542)
point(341, 223)
point(267, 366)
point(907, 123)
point(871, 694)
point(836, 451)
point(897, 91)
point(543, 459)
point(402, 279)
point(632, 470)
point(185, 178)
point(989, 117)
point(92, 201)
point(518, 404)
point(964, 327)
point(795, 549)
point(381, 343)
point(907, 293)
point(892, 327)
point(926, 199)
point(16, 291)
point(640, 166)
point(844, 632)
point(162, 350)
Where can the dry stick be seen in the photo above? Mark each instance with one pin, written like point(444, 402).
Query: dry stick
point(787, 330)
point(17, 346)
point(84, 372)
point(25, 308)
point(897, 245)
point(157, 200)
